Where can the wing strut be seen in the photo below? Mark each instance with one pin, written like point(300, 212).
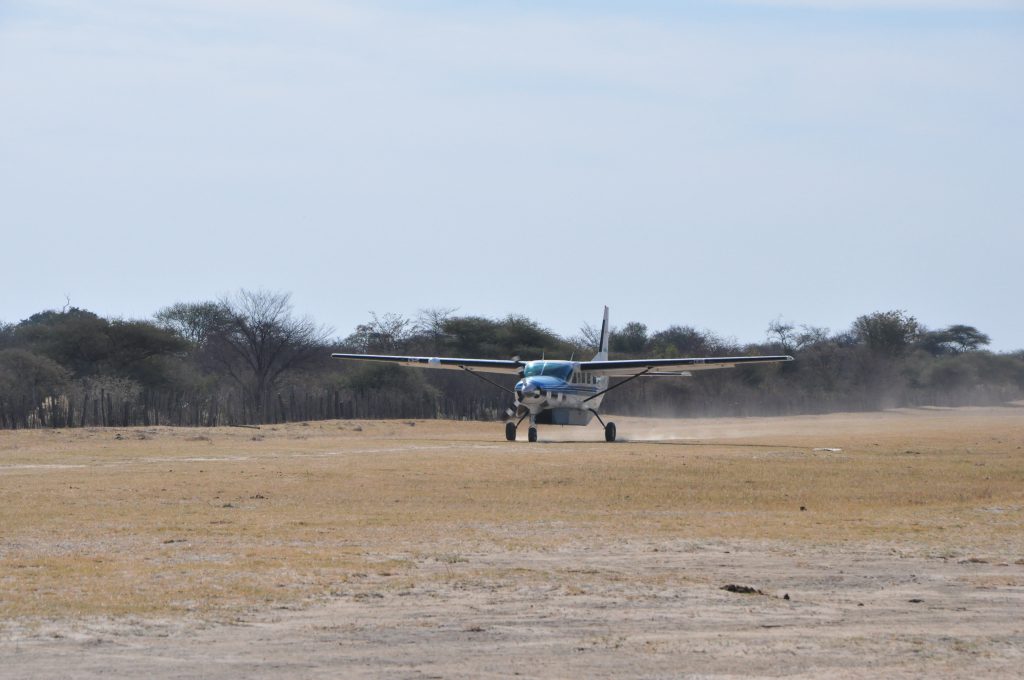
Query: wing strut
point(477, 375)
point(632, 377)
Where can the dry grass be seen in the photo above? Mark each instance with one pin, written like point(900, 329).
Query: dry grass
point(212, 523)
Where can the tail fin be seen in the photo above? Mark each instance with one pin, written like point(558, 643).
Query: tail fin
point(602, 352)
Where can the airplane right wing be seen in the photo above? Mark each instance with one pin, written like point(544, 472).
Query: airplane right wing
point(635, 367)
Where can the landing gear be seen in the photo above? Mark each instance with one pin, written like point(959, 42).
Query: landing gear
point(609, 432)
point(609, 427)
point(510, 428)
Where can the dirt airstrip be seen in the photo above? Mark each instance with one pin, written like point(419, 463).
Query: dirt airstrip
point(851, 545)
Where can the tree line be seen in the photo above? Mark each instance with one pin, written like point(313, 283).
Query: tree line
point(249, 358)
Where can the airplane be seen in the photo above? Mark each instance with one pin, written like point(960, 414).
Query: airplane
point(561, 392)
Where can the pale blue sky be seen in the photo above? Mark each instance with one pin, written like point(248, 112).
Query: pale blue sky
point(717, 164)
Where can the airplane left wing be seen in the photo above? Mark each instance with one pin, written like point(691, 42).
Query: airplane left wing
point(510, 366)
point(636, 367)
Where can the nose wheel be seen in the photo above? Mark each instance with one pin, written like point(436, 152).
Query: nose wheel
point(510, 429)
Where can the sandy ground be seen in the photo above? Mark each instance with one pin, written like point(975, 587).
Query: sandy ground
point(589, 590)
point(850, 613)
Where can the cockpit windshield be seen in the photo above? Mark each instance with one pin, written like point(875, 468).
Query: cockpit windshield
point(557, 369)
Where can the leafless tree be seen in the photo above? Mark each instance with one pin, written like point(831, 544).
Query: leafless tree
point(430, 323)
point(782, 333)
point(811, 335)
point(588, 337)
point(386, 333)
point(263, 340)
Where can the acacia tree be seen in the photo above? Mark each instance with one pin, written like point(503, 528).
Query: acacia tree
point(262, 340)
point(955, 339)
point(196, 322)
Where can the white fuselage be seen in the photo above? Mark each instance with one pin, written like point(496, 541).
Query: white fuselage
point(551, 385)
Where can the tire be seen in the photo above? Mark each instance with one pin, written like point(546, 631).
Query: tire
point(609, 432)
point(533, 434)
point(510, 431)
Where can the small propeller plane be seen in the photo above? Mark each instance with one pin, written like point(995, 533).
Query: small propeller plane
point(566, 392)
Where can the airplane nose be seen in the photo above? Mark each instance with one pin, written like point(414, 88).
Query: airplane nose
point(526, 389)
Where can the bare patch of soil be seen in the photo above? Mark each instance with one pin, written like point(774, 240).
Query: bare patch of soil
point(441, 551)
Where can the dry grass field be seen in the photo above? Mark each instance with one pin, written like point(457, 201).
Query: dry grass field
point(880, 544)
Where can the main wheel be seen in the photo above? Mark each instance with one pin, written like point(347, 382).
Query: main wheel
point(510, 431)
point(609, 432)
point(533, 434)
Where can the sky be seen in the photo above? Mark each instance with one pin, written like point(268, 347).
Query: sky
point(714, 164)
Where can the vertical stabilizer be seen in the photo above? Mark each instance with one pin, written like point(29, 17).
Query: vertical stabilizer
point(602, 351)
